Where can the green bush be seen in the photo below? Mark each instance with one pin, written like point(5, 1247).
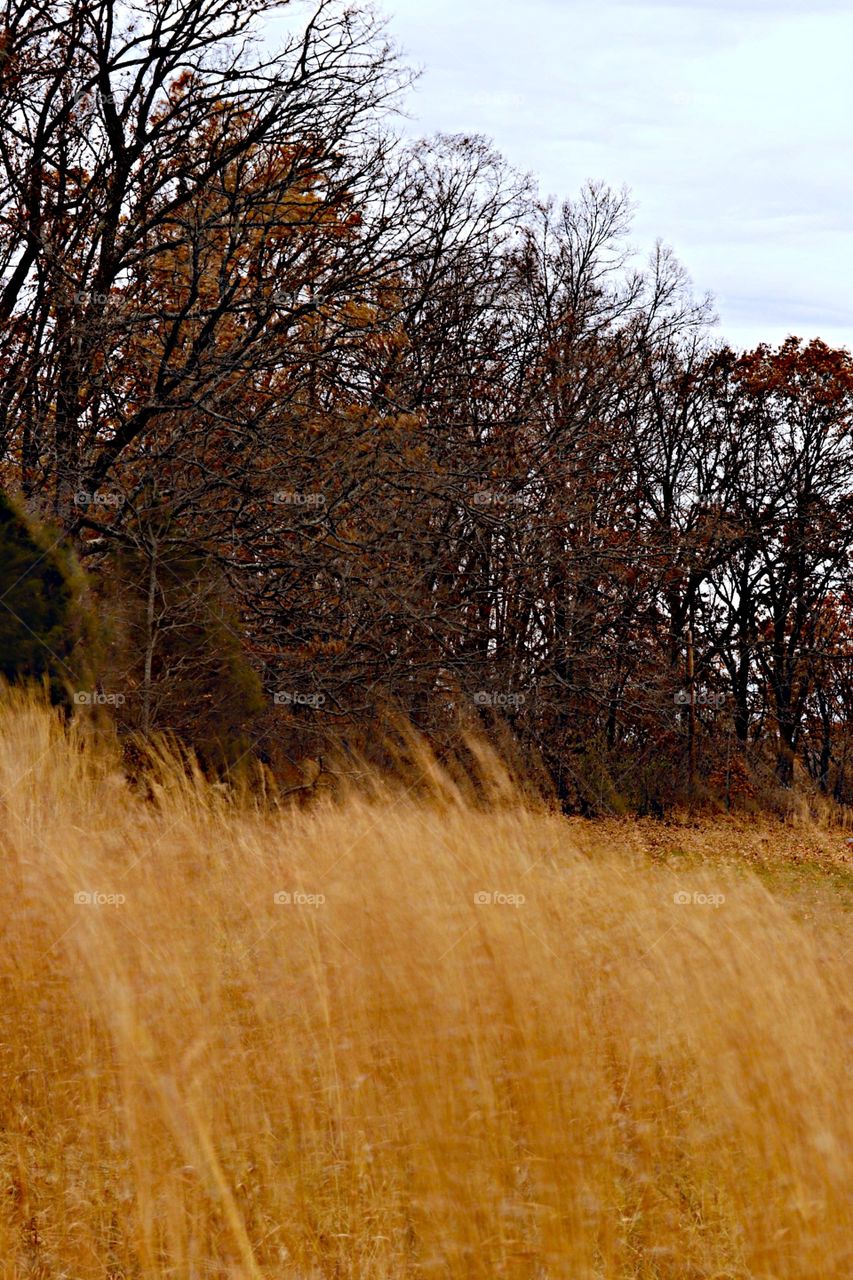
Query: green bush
point(41, 619)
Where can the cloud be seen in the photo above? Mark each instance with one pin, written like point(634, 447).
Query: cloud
point(726, 118)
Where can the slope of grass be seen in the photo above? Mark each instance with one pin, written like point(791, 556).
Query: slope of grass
point(303, 1045)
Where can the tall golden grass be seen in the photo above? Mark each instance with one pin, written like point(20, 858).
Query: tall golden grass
point(384, 1076)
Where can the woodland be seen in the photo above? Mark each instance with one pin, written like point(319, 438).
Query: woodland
point(307, 428)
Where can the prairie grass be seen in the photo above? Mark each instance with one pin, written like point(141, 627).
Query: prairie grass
point(385, 1077)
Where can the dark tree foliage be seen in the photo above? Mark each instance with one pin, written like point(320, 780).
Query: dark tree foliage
point(343, 427)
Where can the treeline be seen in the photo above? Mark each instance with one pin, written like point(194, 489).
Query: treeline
point(341, 426)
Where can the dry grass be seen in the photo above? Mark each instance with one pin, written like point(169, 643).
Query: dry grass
point(399, 1082)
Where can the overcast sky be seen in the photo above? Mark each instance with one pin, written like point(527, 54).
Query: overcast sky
point(729, 120)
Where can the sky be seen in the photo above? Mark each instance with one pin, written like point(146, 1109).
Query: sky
point(729, 121)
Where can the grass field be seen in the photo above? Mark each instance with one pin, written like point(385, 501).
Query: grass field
point(409, 1038)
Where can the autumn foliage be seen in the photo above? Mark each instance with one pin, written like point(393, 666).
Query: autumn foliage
point(418, 442)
